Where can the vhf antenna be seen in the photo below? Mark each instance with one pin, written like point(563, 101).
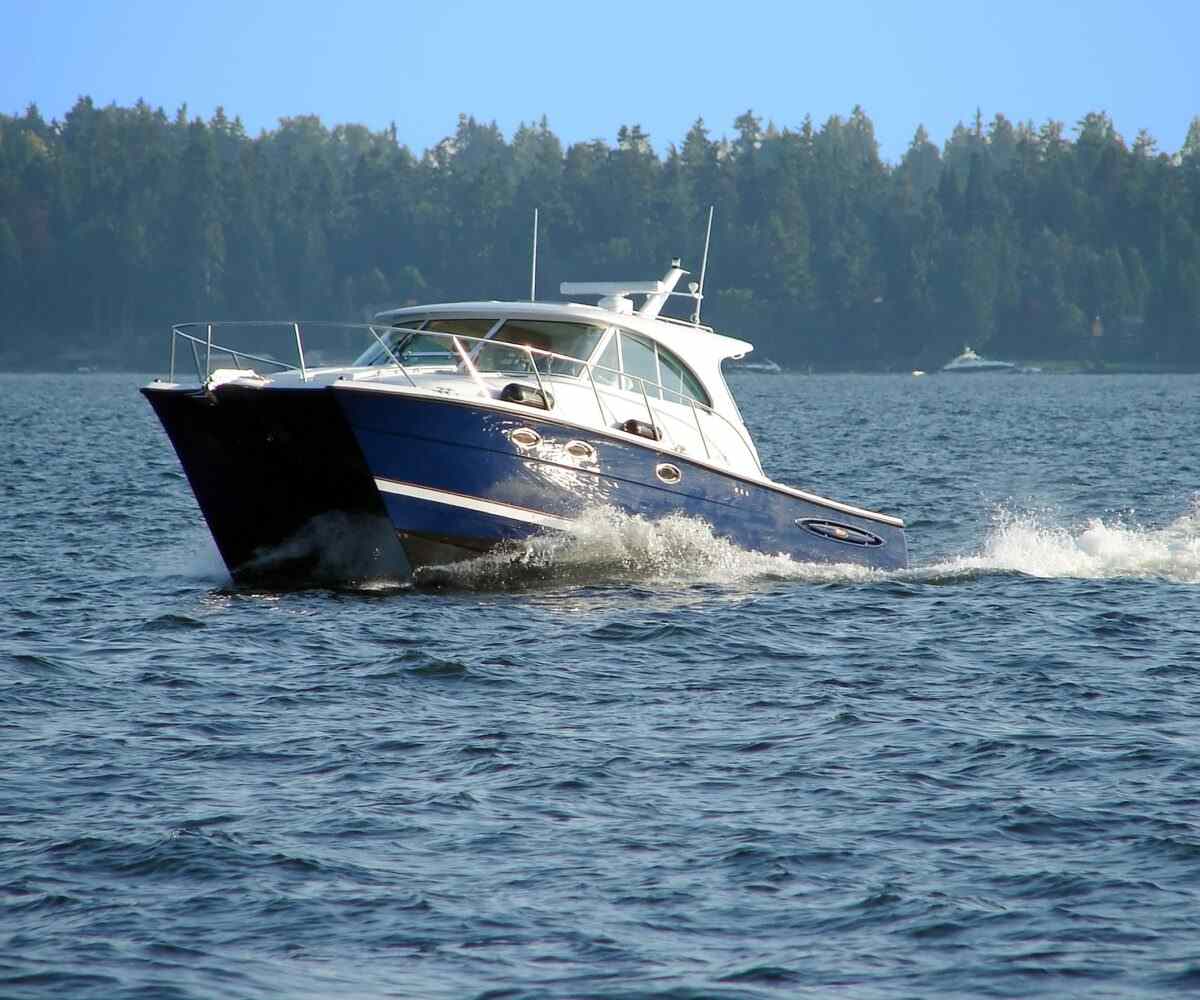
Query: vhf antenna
point(533, 266)
point(698, 289)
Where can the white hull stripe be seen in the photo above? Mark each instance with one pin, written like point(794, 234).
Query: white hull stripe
point(465, 502)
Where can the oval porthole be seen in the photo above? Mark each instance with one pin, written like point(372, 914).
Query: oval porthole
point(668, 473)
point(581, 450)
point(524, 437)
point(836, 532)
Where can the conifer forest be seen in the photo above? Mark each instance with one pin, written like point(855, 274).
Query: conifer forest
point(1048, 242)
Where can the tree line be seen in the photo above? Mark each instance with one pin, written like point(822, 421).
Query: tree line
point(1027, 242)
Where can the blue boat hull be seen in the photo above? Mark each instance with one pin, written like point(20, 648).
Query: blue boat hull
point(455, 482)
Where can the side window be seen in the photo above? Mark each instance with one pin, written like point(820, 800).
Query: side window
point(672, 375)
point(679, 384)
point(605, 372)
point(638, 359)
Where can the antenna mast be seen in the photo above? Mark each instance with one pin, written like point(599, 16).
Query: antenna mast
point(533, 267)
point(703, 269)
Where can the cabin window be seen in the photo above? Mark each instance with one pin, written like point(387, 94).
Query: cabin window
point(423, 349)
point(609, 364)
point(476, 328)
point(509, 349)
point(377, 354)
point(658, 367)
point(679, 384)
point(638, 359)
point(413, 348)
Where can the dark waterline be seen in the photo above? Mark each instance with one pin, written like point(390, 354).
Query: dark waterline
point(635, 763)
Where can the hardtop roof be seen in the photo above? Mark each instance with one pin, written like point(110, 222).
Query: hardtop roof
point(683, 338)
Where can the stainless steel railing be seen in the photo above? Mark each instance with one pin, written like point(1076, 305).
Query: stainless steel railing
point(461, 357)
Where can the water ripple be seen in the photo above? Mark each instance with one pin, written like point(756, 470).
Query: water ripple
point(633, 762)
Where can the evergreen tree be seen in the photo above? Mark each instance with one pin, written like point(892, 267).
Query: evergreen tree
point(921, 166)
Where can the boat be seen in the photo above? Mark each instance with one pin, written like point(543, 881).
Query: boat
point(970, 363)
point(760, 366)
point(467, 426)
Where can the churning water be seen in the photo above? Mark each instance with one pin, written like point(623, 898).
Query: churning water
point(634, 761)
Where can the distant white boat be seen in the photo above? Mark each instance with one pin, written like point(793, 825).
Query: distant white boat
point(765, 366)
point(970, 363)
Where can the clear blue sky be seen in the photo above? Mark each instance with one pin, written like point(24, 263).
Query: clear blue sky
point(593, 67)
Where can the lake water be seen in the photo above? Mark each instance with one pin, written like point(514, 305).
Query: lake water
point(635, 763)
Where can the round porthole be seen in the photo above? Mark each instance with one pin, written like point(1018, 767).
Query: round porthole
point(524, 437)
point(836, 532)
point(668, 473)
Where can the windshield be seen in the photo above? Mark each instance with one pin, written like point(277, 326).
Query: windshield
point(506, 351)
point(410, 348)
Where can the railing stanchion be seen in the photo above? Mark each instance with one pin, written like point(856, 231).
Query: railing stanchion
point(174, 335)
point(696, 414)
point(390, 354)
point(300, 351)
point(599, 405)
point(538, 375)
point(480, 384)
point(649, 410)
point(208, 356)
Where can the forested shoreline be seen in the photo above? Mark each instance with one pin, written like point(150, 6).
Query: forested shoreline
point(1035, 243)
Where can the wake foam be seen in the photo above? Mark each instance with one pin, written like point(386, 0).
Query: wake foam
point(608, 546)
point(1038, 543)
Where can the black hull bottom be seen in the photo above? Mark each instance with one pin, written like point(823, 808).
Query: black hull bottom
point(281, 482)
point(422, 551)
